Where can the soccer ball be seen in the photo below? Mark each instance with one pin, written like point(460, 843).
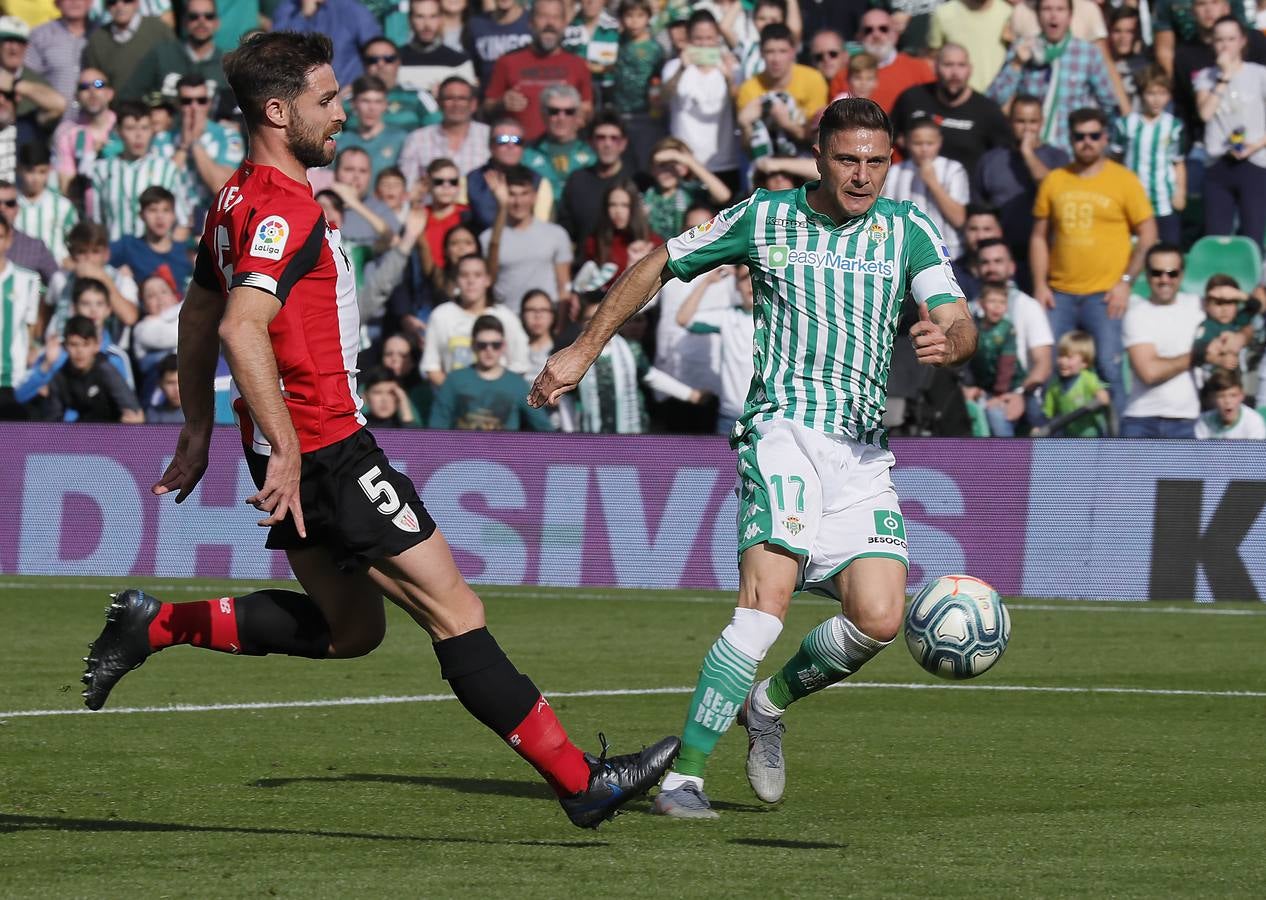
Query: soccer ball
point(957, 627)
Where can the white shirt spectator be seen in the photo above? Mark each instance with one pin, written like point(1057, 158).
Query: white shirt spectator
point(905, 183)
point(158, 332)
point(1249, 426)
point(527, 259)
point(448, 339)
point(1171, 329)
point(692, 358)
point(701, 113)
point(737, 328)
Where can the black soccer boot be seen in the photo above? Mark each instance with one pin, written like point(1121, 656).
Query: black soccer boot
point(614, 782)
point(122, 645)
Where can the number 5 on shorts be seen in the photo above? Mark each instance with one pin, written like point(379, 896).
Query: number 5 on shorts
point(379, 489)
point(776, 482)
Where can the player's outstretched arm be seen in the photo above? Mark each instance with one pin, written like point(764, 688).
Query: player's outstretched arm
point(249, 351)
point(199, 318)
point(631, 291)
point(945, 336)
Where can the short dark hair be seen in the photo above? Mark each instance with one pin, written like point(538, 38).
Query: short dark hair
point(84, 285)
point(193, 80)
point(367, 84)
point(1154, 75)
point(701, 17)
point(989, 243)
point(1221, 279)
point(156, 193)
point(1026, 100)
point(487, 323)
point(1121, 13)
point(994, 287)
point(1162, 247)
point(32, 154)
point(274, 64)
point(80, 326)
point(168, 363)
point(85, 236)
point(348, 151)
point(776, 31)
point(1087, 114)
point(1234, 21)
point(376, 375)
point(454, 79)
point(610, 118)
point(853, 112)
point(1223, 380)
point(520, 176)
point(391, 172)
point(435, 165)
point(131, 109)
point(777, 4)
point(981, 209)
point(364, 48)
point(922, 122)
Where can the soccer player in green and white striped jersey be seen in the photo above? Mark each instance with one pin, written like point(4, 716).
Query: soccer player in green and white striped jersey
point(830, 264)
point(1150, 144)
point(42, 213)
point(117, 183)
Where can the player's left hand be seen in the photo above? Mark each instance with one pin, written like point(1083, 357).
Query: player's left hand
point(561, 374)
point(279, 496)
point(1118, 300)
point(931, 346)
point(188, 465)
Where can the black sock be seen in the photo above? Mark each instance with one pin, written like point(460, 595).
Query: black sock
point(275, 621)
point(485, 681)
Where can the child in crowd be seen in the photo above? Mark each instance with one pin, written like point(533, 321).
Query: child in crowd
point(392, 190)
point(995, 367)
point(1230, 417)
point(863, 75)
point(1227, 329)
point(1149, 143)
point(167, 408)
point(737, 329)
point(681, 181)
point(1076, 386)
point(158, 329)
point(386, 403)
point(42, 213)
point(155, 251)
point(89, 247)
point(638, 60)
point(88, 388)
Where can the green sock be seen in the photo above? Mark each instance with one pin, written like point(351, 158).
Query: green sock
point(724, 680)
point(828, 654)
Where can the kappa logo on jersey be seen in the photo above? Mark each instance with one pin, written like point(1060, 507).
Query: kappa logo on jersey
point(270, 238)
point(779, 256)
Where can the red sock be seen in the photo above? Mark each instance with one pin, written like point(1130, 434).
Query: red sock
point(204, 623)
point(541, 740)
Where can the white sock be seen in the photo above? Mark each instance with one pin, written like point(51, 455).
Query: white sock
point(674, 780)
point(761, 702)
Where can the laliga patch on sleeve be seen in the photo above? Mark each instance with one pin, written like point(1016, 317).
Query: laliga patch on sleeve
point(270, 238)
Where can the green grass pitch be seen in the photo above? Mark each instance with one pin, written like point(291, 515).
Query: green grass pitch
point(1153, 789)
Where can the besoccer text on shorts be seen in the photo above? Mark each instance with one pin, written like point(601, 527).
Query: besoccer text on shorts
point(830, 265)
point(274, 286)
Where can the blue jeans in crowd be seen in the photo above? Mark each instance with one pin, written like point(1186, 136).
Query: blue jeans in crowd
point(1235, 199)
point(1157, 427)
point(996, 416)
point(1089, 312)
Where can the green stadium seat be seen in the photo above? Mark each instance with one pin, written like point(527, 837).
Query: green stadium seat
point(1239, 257)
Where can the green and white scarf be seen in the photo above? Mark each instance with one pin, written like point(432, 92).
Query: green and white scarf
point(612, 385)
point(1052, 55)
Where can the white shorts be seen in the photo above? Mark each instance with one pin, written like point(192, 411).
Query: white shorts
point(824, 497)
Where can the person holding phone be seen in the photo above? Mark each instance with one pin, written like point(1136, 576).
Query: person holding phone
point(696, 89)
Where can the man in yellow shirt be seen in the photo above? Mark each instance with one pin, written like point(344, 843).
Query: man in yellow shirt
point(776, 108)
point(1083, 265)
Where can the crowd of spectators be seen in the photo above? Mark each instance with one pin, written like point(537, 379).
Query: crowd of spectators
point(504, 161)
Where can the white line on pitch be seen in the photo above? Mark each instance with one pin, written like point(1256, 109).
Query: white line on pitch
point(627, 692)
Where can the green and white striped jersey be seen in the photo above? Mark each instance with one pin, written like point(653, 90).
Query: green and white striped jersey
point(19, 308)
point(827, 300)
point(48, 217)
point(117, 184)
point(1149, 150)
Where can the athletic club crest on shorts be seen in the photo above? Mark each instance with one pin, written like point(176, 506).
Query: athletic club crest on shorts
point(793, 525)
point(405, 520)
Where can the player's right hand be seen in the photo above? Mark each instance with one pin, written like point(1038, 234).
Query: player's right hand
point(188, 465)
point(561, 374)
point(280, 494)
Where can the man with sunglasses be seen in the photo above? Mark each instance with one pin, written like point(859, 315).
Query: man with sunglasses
point(507, 149)
point(828, 54)
point(897, 71)
point(206, 151)
point(1158, 334)
point(580, 207)
point(1085, 216)
point(119, 47)
point(407, 110)
point(196, 54)
point(78, 141)
point(456, 136)
point(562, 150)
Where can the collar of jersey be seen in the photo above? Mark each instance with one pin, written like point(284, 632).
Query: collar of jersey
point(802, 204)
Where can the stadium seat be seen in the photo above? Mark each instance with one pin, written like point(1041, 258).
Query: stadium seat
point(1238, 257)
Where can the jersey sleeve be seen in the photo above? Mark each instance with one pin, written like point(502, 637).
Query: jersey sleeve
point(724, 239)
point(929, 270)
point(273, 248)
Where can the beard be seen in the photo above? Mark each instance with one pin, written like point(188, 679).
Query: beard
point(308, 145)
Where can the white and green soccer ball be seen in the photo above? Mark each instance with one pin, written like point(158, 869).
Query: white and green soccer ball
point(957, 627)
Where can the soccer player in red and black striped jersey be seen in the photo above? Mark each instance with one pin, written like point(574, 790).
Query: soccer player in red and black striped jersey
point(273, 282)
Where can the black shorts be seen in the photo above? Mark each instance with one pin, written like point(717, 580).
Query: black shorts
point(355, 504)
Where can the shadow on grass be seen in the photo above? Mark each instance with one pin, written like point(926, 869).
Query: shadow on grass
point(781, 844)
point(499, 787)
point(10, 824)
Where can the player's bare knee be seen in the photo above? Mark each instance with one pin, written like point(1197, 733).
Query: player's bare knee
point(880, 617)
